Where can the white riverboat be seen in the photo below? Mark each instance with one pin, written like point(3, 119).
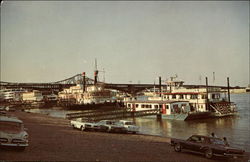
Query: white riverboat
point(186, 103)
point(93, 97)
point(168, 109)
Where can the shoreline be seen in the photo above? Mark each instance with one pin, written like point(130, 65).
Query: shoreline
point(53, 139)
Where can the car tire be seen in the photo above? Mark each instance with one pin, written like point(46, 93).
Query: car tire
point(209, 153)
point(177, 147)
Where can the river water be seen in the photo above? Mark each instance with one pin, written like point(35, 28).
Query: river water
point(236, 129)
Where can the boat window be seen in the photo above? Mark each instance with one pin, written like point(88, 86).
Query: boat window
point(150, 106)
point(167, 106)
point(129, 105)
point(174, 96)
point(160, 106)
point(194, 96)
point(181, 96)
point(142, 106)
point(156, 106)
point(136, 105)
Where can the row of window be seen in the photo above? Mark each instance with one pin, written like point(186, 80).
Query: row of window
point(214, 96)
point(147, 106)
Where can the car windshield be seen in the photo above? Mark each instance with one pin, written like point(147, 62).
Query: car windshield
point(217, 141)
point(109, 122)
point(129, 123)
point(10, 127)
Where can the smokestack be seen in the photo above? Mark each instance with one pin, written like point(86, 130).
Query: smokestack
point(84, 81)
point(95, 76)
point(228, 89)
point(160, 85)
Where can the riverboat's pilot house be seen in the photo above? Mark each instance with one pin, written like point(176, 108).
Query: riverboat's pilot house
point(165, 107)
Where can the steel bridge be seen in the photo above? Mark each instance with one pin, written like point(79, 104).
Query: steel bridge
point(78, 79)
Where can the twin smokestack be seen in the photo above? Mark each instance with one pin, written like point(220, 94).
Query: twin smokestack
point(84, 79)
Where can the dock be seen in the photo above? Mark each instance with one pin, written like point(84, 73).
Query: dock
point(113, 114)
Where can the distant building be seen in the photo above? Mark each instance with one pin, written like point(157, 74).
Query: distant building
point(11, 94)
point(35, 95)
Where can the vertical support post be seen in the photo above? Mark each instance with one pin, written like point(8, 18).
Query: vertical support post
point(228, 89)
point(160, 85)
point(84, 81)
point(207, 105)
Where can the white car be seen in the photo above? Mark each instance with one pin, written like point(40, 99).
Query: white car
point(12, 133)
point(111, 126)
point(82, 125)
point(129, 125)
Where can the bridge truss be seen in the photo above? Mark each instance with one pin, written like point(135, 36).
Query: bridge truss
point(78, 79)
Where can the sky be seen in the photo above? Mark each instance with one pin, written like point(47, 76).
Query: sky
point(133, 42)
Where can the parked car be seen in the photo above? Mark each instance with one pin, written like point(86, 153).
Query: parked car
point(129, 125)
point(83, 125)
point(10, 108)
point(209, 146)
point(12, 133)
point(111, 126)
point(3, 112)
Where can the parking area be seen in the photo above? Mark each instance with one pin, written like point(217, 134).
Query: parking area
point(53, 139)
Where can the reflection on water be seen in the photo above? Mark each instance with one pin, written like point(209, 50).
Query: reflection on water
point(236, 128)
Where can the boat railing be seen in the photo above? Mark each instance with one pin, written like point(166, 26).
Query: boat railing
point(216, 109)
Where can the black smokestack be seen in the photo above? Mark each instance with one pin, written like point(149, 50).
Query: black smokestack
point(95, 75)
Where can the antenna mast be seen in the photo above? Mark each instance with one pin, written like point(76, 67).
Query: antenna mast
point(213, 77)
point(95, 64)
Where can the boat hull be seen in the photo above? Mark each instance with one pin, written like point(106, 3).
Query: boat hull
point(186, 116)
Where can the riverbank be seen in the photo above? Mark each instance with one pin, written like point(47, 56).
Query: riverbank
point(52, 139)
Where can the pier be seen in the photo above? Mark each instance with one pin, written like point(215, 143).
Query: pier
point(111, 114)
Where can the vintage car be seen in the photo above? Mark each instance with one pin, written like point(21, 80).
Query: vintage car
point(129, 125)
point(12, 133)
point(209, 146)
point(84, 125)
point(111, 126)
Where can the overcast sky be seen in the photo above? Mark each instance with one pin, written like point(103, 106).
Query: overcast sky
point(43, 41)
